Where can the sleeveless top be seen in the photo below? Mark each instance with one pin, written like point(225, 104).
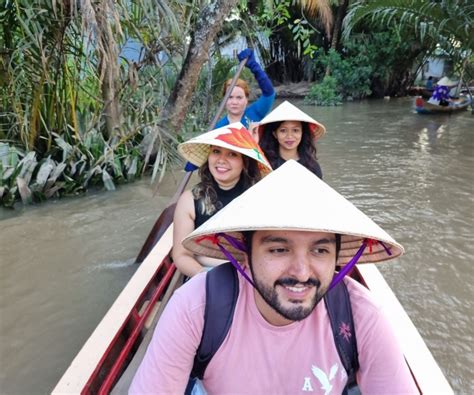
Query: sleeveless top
point(279, 161)
point(224, 197)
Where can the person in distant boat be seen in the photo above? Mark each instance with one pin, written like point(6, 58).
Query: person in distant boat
point(429, 83)
point(285, 244)
point(229, 162)
point(440, 95)
point(289, 133)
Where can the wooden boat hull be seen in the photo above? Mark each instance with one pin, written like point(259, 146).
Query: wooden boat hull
point(420, 91)
point(108, 360)
point(423, 107)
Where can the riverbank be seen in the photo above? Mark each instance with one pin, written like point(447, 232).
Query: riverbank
point(292, 90)
point(297, 90)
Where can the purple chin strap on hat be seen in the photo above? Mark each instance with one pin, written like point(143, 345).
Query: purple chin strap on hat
point(237, 244)
point(348, 267)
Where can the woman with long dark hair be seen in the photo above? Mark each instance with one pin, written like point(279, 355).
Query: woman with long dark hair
point(230, 162)
point(289, 133)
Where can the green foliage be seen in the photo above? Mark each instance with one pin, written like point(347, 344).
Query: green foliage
point(445, 24)
point(351, 74)
point(371, 63)
point(53, 83)
point(212, 84)
point(283, 25)
point(469, 69)
point(324, 93)
point(9, 169)
point(390, 54)
point(209, 94)
point(302, 33)
point(278, 14)
point(92, 162)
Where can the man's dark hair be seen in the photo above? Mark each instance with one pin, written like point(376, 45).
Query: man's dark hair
point(306, 147)
point(248, 235)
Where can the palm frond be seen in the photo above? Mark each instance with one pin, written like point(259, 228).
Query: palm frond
point(449, 22)
point(321, 8)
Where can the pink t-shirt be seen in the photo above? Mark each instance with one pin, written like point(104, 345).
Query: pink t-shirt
point(259, 358)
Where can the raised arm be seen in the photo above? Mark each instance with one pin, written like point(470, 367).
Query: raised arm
point(262, 106)
point(183, 225)
point(262, 78)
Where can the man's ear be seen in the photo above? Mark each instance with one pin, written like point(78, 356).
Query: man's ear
point(245, 261)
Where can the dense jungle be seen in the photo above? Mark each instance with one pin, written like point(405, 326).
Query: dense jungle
point(98, 93)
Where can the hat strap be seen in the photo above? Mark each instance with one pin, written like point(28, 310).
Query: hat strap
point(237, 244)
point(347, 268)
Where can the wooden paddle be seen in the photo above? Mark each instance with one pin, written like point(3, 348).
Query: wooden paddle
point(166, 217)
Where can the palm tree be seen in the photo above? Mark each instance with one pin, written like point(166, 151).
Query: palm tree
point(448, 24)
point(208, 22)
point(292, 28)
point(69, 96)
point(341, 12)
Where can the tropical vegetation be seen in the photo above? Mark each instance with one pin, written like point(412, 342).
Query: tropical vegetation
point(94, 94)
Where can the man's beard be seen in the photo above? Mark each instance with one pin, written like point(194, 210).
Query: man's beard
point(297, 312)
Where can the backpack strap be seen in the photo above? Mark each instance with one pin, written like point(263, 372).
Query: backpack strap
point(222, 290)
point(338, 305)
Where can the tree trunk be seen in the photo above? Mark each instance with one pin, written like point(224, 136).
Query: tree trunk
point(108, 67)
point(207, 105)
point(336, 31)
point(209, 22)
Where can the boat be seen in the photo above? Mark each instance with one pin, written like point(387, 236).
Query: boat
point(420, 91)
point(423, 107)
point(110, 357)
point(107, 362)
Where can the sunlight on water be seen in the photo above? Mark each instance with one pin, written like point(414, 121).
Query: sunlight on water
point(111, 265)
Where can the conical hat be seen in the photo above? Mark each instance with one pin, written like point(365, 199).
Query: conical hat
point(445, 81)
point(234, 137)
point(288, 112)
point(293, 198)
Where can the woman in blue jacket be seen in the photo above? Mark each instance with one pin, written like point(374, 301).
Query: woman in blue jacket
point(237, 103)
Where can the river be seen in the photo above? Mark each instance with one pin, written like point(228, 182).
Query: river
point(62, 263)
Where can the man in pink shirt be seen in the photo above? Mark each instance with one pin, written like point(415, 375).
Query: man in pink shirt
point(284, 235)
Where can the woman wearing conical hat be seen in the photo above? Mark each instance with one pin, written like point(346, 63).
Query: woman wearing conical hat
point(440, 95)
point(289, 133)
point(229, 162)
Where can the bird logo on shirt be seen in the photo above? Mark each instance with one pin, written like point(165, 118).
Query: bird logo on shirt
point(324, 379)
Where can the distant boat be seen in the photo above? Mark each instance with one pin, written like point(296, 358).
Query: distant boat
point(420, 91)
point(110, 357)
point(423, 107)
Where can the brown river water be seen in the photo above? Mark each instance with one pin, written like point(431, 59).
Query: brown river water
point(62, 263)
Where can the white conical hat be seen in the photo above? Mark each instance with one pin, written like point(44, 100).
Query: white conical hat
point(288, 112)
point(234, 137)
point(445, 81)
point(293, 198)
